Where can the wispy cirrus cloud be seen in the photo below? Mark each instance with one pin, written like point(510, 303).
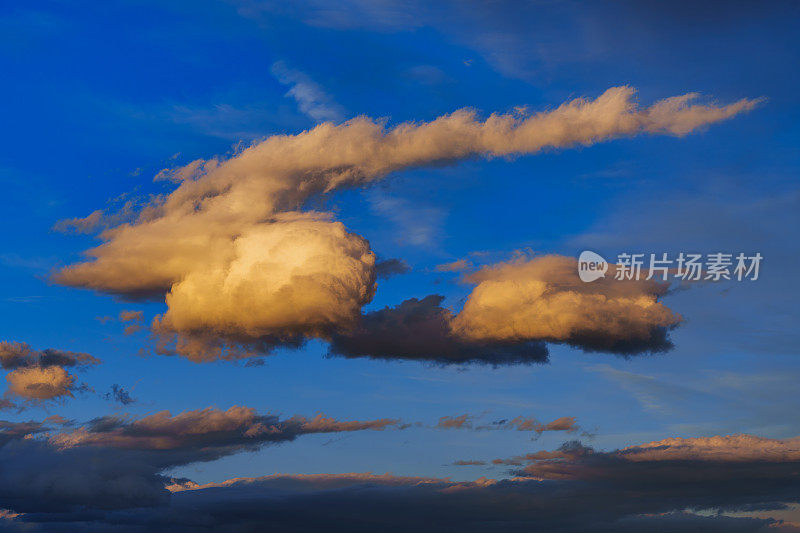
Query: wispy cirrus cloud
point(310, 98)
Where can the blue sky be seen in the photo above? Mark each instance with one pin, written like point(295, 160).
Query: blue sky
point(97, 99)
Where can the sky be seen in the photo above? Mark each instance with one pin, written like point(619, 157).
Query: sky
point(335, 243)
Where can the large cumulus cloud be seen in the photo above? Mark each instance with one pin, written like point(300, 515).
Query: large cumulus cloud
point(297, 276)
point(218, 235)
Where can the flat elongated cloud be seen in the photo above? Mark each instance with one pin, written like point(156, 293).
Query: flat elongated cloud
point(40, 375)
point(206, 433)
point(212, 244)
point(455, 422)
point(519, 423)
point(736, 458)
point(117, 462)
point(364, 502)
point(15, 355)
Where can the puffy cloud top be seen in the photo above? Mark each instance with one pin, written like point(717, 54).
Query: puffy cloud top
point(544, 299)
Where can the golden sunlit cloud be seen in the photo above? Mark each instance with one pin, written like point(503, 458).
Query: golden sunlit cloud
point(239, 263)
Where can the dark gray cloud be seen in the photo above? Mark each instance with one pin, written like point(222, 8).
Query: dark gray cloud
point(364, 502)
point(420, 330)
point(386, 268)
point(107, 476)
point(120, 395)
point(118, 462)
point(731, 464)
point(14, 355)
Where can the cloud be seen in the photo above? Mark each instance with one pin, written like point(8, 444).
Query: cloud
point(366, 502)
point(420, 330)
point(119, 395)
point(37, 383)
point(135, 321)
point(212, 249)
point(387, 268)
point(110, 473)
point(700, 460)
point(86, 224)
point(515, 308)
point(205, 434)
point(460, 265)
point(310, 98)
point(117, 462)
point(730, 448)
point(542, 299)
point(41, 375)
point(299, 276)
point(455, 422)
point(131, 316)
point(15, 355)
point(520, 423)
point(15, 430)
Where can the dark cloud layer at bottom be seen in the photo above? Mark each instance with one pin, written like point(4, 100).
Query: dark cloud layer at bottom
point(362, 503)
point(109, 476)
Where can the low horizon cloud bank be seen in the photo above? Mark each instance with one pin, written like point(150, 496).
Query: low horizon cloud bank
point(736, 458)
point(119, 461)
point(729, 483)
